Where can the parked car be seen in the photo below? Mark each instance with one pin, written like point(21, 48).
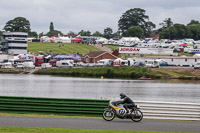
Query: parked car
point(197, 66)
point(92, 64)
point(105, 62)
point(46, 65)
point(65, 63)
point(138, 64)
point(81, 64)
point(53, 62)
point(124, 63)
point(163, 63)
point(20, 65)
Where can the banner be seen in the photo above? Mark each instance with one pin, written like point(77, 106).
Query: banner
point(132, 50)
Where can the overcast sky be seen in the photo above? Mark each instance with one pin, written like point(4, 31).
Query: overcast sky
point(93, 15)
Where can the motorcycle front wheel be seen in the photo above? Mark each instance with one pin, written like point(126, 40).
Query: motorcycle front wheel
point(108, 114)
point(137, 115)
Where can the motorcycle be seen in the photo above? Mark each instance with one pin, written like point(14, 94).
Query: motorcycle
point(117, 109)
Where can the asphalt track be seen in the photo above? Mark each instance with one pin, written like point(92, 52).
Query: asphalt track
point(85, 123)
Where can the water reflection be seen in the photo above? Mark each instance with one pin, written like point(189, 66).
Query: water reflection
point(66, 87)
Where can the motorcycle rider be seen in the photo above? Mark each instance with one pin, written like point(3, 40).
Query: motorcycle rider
point(128, 103)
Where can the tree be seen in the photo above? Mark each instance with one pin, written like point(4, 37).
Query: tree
point(148, 28)
point(18, 24)
point(33, 34)
point(97, 33)
point(166, 23)
point(168, 33)
point(193, 31)
point(181, 31)
point(193, 22)
point(108, 33)
point(116, 35)
point(51, 27)
point(54, 33)
point(134, 31)
point(135, 17)
point(1, 35)
point(84, 33)
point(41, 34)
point(71, 34)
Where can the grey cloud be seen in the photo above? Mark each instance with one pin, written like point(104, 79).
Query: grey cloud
point(93, 15)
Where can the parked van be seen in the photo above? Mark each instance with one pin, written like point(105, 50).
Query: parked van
point(65, 63)
point(29, 65)
point(105, 62)
point(6, 65)
point(152, 63)
point(12, 61)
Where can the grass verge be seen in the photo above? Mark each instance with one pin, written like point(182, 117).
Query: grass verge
point(60, 130)
point(11, 71)
point(107, 72)
point(68, 48)
point(45, 115)
point(176, 73)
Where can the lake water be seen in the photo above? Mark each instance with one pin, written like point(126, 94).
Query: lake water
point(67, 87)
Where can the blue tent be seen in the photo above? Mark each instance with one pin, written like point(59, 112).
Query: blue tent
point(60, 57)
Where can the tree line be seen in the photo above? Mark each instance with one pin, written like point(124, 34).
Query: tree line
point(133, 23)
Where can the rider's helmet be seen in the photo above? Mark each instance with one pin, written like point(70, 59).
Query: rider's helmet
point(122, 95)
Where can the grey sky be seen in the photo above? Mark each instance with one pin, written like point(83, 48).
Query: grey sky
point(93, 15)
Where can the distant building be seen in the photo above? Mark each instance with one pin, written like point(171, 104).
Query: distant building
point(14, 43)
point(93, 57)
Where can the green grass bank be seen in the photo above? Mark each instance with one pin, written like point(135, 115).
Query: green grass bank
point(60, 130)
point(106, 72)
point(67, 48)
point(11, 71)
point(116, 73)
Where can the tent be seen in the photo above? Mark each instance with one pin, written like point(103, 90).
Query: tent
point(102, 40)
point(129, 39)
point(77, 57)
point(65, 39)
point(191, 44)
point(77, 40)
point(67, 57)
point(185, 44)
point(60, 57)
point(71, 56)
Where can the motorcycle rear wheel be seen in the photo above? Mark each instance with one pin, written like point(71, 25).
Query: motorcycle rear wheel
point(108, 114)
point(137, 116)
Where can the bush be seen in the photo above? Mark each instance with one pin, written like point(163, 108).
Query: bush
point(108, 72)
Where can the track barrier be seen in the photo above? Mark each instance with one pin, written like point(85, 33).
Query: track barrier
point(95, 107)
point(170, 110)
point(76, 107)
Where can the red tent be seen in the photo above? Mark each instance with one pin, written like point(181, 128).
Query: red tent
point(185, 44)
point(78, 40)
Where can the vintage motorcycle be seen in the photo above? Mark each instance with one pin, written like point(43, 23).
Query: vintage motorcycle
point(117, 109)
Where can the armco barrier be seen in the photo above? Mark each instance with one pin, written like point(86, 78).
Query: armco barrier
point(79, 107)
point(170, 110)
point(93, 107)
